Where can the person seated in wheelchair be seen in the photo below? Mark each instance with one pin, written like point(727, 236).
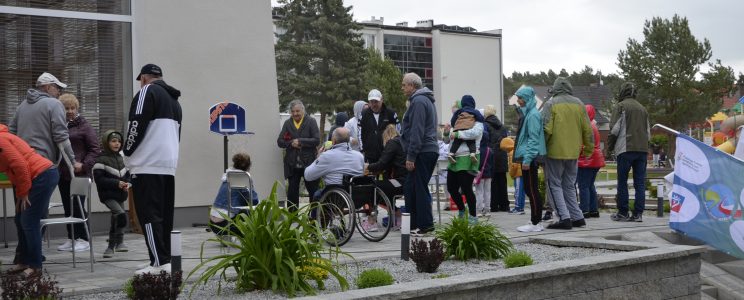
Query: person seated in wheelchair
point(392, 167)
point(217, 222)
point(334, 163)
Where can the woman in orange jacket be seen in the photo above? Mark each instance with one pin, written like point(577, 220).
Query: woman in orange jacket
point(34, 178)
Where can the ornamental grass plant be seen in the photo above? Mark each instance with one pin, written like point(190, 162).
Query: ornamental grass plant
point(480, 240)
point(275, 249)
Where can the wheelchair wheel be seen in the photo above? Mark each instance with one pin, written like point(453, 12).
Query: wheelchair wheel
point(335, 216)
point(376, 217)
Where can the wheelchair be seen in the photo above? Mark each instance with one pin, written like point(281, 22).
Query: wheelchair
point(357, 203)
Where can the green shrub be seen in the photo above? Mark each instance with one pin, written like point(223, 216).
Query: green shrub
point(517, 259)
point(480, 240)
point(162, 285)
point(374, 278)
point(275, 250)
point(427, 258)
point(129, 289)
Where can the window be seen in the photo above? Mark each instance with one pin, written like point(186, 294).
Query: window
point(118, 7)
point(92, 56)
point(411, 54)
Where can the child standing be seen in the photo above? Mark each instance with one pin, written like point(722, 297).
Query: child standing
point(515, 172)
point(112, 182)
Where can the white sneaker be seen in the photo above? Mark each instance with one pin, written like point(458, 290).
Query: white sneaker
point(67, 246)
point(81, 245)
point(148, 269)
point(166, 268)
point(531, 228)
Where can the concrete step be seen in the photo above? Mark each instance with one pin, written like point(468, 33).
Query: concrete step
point(735, 267)
point(708, 292)
point(727, 285)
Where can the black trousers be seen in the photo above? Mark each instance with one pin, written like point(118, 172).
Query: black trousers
point(154, 199)
point(461, 183)
point(293, 188)
point(499, 195)
point(531, 190)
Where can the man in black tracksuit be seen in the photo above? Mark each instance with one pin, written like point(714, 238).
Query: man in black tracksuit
point(373, 123)
point(151, 150)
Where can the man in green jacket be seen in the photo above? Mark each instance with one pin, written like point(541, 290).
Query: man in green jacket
point(567, 128)
point(628, 139)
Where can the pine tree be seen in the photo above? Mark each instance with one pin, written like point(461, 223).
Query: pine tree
point(320, 58)
point(666, 68)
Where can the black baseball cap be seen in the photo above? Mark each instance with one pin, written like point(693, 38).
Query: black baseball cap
point(150, 69)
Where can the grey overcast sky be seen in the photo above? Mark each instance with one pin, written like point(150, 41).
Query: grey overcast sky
point(553, 34)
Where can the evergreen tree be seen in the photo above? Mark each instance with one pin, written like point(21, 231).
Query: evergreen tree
point(320, 58)
point(382, 74)
point(666, 68)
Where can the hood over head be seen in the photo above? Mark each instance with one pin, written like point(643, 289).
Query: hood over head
point(341, 118)
point(627, 90)
point(358, 106)
point(424, 91)
point(171, 90)
point(562, 86)
point(34, 95)
point(107, 137)
point(467, 104)
point(527, 93)
point(590, 111)
point(4, 128)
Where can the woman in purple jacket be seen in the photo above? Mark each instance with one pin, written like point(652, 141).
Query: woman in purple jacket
point(84, 142)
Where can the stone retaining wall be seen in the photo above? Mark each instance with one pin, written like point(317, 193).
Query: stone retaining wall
point(645, 271)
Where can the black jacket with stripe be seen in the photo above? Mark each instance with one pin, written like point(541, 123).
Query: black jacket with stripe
point(154, 130)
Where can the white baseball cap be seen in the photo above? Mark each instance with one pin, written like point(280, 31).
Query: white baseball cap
point(47, 78)
point(374, 94)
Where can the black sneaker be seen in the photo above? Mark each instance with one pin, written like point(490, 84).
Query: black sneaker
point(619, 217)
point(636, 218)
point(548, 215)
point(591, 214)
point(562, 224)
point(578, 223)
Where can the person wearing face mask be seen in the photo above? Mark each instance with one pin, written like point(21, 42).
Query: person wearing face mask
point(85, 146)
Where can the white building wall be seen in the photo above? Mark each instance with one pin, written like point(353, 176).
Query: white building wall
point(214, 53)
point(466, 64)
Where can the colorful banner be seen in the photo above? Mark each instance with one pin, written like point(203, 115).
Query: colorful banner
point(708, 195)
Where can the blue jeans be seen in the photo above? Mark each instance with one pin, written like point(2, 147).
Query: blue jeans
point(587, 192)
point(28, 221)
point(636, 161)
point(519, 194)
point(416, 191)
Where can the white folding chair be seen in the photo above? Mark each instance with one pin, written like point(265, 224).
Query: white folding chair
point(240, 180)
point(439, 168)
point(79, 187)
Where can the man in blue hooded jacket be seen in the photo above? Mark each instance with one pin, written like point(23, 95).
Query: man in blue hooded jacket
point(419, 140)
